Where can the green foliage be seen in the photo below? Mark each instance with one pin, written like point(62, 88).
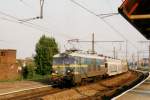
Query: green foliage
point(29, 71)
point(46, 48)
point(38, 77)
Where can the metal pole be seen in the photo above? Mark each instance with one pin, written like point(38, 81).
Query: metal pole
point(93, 51)
point(133, 62)
point(138, 59)
point(149, 54)
point(126, 50)
point(41, 5)
point(114, 52)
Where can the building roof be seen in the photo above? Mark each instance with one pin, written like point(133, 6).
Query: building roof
point(7, 50)
point(137, 12)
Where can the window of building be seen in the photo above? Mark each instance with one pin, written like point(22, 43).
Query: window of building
point(2, 53)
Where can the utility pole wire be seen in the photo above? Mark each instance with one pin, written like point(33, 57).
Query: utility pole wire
point(93, 44)
point(34, 10)
point(111, 26)
point(38, 17)
point(16, 20)
point(23, 2)
point(28, 24)
point(107, 15)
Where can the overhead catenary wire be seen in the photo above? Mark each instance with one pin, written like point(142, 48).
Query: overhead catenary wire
point(1, 40)
point(111, 26)
point(107, 15)
point(13, 19)
point(30, 7)
point(41, 28)
point(29, 24)
point(37, 17)
point(16, 20)
point(26, 4)
point(3, 18)
point(6, 41)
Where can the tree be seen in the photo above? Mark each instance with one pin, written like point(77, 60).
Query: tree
point(45, 49)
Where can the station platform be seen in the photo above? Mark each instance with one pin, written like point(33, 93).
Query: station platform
point(141, 92)
point(17, 86)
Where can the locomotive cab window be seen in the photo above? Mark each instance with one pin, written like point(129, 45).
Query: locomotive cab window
point(63, 60)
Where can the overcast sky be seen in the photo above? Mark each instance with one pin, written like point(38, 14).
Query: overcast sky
point(63, 20)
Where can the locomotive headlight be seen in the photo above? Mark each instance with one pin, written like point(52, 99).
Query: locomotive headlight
point(68, 71)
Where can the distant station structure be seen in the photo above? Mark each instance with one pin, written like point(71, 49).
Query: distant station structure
point(8, 65)
point(137, 12)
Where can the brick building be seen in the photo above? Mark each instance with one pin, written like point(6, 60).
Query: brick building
point(8, 66)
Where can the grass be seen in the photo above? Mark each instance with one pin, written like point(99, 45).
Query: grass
point(11, 80)
point(36, 77)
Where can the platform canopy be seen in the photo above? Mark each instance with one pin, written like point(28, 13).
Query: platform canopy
point(137, 12)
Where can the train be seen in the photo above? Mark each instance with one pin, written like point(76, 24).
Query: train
point(76, 67)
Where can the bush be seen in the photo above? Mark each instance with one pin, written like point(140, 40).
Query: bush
point(29, 71)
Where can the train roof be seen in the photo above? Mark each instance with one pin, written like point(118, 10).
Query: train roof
point(87, 55)
point(113, 60)
point(84, 55)
point(137, 12)
point(79, 54)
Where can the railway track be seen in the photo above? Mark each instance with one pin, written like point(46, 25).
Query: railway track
point(38, 93)
point(30, 94)
point(104, 89)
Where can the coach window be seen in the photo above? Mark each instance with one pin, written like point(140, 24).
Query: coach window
point(77, 60)
point(82, 60)
point(97, 62)
point(106, 65)
point(102, 62)
point(85, 61)
point(94, 64)
point(89, 64)
point(89, 61)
